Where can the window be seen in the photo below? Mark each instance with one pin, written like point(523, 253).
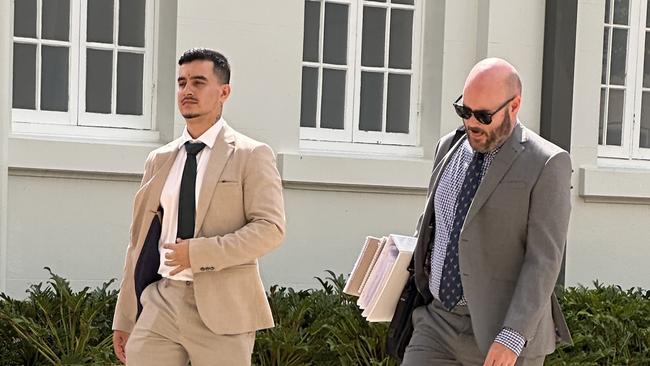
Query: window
point(360, 71)
point(83, 63)
point(624, 124)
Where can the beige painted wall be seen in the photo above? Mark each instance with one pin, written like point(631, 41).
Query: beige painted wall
point(76, 219)
point(607, 241)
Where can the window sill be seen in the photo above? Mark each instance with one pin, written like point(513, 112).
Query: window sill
point(348, 173)
point(615, 185)
point(42, 156)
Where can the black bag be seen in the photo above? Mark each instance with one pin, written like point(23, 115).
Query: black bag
point(400, 329)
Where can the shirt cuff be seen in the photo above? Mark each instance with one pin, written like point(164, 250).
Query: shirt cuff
point(511, 339)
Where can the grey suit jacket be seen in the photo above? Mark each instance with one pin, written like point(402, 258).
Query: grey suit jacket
point(512, 243)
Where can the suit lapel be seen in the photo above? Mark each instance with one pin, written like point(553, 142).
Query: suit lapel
point(223, 148)
point(499, 167)
point(157, 182)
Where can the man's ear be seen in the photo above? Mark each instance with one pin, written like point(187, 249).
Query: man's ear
point(225, 92)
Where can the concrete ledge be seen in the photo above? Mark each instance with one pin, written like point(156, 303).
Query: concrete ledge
point(358, 174)
point(615, 185)
point(32, 154)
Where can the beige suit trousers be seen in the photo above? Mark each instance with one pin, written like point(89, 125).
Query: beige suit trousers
point(169, 332)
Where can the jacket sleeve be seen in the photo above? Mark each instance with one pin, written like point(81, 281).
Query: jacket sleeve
point(264, 213)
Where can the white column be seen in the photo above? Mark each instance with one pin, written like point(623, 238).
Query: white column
point(5, 123)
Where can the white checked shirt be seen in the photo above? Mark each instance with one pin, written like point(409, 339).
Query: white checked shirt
point(445, 198)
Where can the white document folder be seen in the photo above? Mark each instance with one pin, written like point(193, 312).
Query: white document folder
point(386, 279)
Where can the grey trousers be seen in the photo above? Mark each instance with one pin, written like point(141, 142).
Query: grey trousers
point(170, 332)
point(445, 338)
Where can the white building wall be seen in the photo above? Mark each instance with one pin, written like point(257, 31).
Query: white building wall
point(608, 235)
point(72, 212)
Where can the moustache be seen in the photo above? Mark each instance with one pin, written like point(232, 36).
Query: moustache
point(189, 99)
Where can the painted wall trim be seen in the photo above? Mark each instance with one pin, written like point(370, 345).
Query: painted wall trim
point(6, 10)
point(558, 71)
point(614, 185)
point(346, 173)
point(78, 156)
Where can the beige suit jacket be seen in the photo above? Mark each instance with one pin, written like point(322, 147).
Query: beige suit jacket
point(239, 218)
point(512, 242)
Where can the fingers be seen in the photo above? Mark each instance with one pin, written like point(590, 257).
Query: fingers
point(177, 270)
point(119, 343)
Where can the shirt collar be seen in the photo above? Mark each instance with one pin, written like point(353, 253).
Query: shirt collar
point(209, 137)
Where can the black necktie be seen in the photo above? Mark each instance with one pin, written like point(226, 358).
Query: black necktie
point(451, 288)
point(187, 197)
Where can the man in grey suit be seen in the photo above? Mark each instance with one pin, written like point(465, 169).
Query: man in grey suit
point(492, 235)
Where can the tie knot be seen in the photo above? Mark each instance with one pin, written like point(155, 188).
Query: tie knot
point(194, 148)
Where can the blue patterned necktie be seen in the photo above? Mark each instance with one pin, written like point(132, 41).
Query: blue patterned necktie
point(451, 288)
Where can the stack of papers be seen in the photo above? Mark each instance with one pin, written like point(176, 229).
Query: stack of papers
point(379, 275)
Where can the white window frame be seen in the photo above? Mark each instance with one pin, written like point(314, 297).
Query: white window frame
point(76, 122)
point(631, 129)
point(350, 134)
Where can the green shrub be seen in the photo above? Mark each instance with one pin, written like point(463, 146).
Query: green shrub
point(319, 327)
point(63, 327)
point(609, 325)
point(54, 325)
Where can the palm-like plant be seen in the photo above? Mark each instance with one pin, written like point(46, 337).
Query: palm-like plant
point(63, 326)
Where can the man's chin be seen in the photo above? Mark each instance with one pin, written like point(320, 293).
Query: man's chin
point(190, 115)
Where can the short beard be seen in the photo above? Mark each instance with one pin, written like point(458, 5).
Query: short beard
point(497, 137)
point(191, 115)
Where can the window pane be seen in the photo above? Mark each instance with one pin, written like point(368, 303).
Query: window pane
point(378, 1)
point(608, 18)
point(615, 117)
point(374, 31)
point(131, 29)
point(399, 95)
point(100, 21)
point(54, 79)
point(24, 78)
point(335, 43)
point(308, 98)
point(312, 26)
point(407, 2)
point(372, 101)
point(621, 10)
point(603, 78)
point(129, 83)
point(99, 76)
point(25, 18)
point(333, 99)
point(401, 31)
point(601, 120)
point(644, 139)
point(646, 62)
point(647, 19)
point(56, 19)
point(619, 51)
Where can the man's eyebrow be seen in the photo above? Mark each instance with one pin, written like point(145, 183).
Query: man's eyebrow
point(198, 77)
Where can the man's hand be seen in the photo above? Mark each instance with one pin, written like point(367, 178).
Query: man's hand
point(179, 256)
point(119, 344)
point(500, 355)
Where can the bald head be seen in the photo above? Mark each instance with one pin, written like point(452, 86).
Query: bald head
point(494, 75)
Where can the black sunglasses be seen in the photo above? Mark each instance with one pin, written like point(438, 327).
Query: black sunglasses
point(482, 116)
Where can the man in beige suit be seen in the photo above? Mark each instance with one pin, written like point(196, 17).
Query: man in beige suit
point(492, 236)
point(210, 204)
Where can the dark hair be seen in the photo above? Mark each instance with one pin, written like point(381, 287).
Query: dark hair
point(221, 65)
